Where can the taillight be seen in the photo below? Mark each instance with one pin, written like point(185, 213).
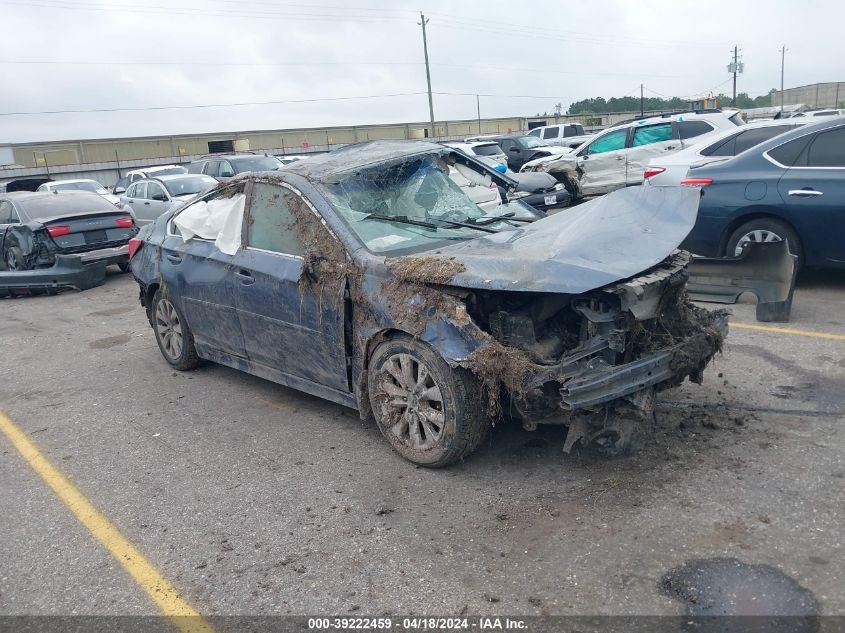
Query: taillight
point(696, 182)
point(124, 223)
point(653, 171)
point(134, 245)
point(58, 231)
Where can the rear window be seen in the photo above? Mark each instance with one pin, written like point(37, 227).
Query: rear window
point(691, 129)
point(195, 168)
point(488, 149)
point(743, 140)
point(57, 206)
point(167, 171)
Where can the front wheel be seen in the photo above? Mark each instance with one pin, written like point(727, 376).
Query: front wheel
point(172, 333)
point(763, 230)
point(430, 413)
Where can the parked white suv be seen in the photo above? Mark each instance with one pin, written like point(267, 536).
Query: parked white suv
point(564, 134)
point(668, 171)
point(487, 149)
point(617, 157)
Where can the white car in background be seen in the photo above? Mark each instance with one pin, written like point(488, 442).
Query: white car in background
point(563, 134)
point(668, 171)
point(618, 156)
point(150, 197)
point(487, 149)
point(487, 198)
point(79, 184)
point(134, 175)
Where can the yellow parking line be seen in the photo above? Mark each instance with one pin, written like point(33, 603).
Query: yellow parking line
point(165, 595)
point(786, 330)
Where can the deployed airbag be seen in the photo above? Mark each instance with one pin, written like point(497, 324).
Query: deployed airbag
point(219, 220)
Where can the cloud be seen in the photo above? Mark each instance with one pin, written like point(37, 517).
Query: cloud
point(226, 51)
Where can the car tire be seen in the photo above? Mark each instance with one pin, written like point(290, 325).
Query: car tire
point(124, 267)
point(764, 230)
point(14, 259)
point(174, 337)
point(429, 412)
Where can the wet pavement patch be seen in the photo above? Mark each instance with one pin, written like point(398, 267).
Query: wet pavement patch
point(730, 587)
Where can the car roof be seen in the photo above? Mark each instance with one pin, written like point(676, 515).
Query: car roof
point(71, 180)
point(755, 125)
point(51, 199)
point(326, 167)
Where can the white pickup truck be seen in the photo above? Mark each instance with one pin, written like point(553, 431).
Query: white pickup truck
point(566, 134)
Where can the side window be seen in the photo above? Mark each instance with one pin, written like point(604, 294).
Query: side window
point(535, 132)
point(610, 142)
point(691, 129)
point(195, 168)
point(507, 144)
point(225, 170)
point(130, 193)
point(156, 192)
point(134, 177)
point(211, 168)
point(725, 147)
point(652, 134)
point(140, 190)
point(789, 153)
point(828, 149)
point(271, 223)
point(5, 212)
point(750, 138)
point(551, 132)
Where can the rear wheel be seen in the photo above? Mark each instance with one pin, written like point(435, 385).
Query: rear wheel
point(172, 333)
point(14, 259)
point(124, 266)
point(430, 413)
point(763, 230)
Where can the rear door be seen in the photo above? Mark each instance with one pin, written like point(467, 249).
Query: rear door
point(602, 163)
point(211, 168)
point(813, 190)
point(292, 324)
point(648, 142)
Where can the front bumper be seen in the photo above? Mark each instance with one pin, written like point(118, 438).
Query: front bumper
point(68, 271)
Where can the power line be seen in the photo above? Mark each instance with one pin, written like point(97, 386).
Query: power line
point(211, 105)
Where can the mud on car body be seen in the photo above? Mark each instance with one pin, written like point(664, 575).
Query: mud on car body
point(365, 276)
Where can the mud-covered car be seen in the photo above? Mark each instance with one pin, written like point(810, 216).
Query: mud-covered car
point(367, 277)
point(37, 227)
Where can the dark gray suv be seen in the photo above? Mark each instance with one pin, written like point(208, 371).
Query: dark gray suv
point(226, 166)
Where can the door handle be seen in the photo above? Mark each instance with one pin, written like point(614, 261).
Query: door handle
point(620, 158)
point(174, 258)
point(670, 147)
point(245, 276)
point(805, 193)
point(147, 203)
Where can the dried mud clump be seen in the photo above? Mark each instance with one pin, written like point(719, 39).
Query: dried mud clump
point(433, 270)
point(499, 366)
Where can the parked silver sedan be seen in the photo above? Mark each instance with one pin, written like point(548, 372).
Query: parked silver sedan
point(150, 197)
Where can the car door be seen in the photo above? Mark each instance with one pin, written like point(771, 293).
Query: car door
point(602, 163)
point(211, 168)
point(513, 152)
point(200, 276)
point(551, 135)
point(291, 324)
point(648, 142)
point(157, 202)
point(135, 197)
point(813, 190)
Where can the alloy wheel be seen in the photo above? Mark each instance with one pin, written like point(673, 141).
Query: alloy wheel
point(757, 235)
point(412, 402)
point(168, 329)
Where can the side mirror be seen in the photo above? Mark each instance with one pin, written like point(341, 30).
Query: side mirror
point(119, 190)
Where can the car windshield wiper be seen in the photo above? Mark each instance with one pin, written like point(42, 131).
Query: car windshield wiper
point(402, 219)
point(492, 219)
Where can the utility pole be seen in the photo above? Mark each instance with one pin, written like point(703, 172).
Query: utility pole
point(736, 67)
point(642, 102)
point(478, 110)
point(423, 22)
point(782, 62)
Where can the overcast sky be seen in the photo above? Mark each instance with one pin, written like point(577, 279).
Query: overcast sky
point(107, 54)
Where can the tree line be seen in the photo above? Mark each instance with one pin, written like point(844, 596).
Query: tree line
point(600, 105)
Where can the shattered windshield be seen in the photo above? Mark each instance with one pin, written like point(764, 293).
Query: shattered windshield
point(414, 204)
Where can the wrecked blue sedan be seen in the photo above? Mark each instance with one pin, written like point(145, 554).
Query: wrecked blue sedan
point(367, 277)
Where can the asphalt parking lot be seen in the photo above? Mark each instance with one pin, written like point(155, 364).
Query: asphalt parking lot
point(250, 498)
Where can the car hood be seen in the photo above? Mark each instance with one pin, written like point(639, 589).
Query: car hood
point(583, 248)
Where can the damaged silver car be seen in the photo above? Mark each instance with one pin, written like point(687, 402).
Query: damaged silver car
point(367, 277)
